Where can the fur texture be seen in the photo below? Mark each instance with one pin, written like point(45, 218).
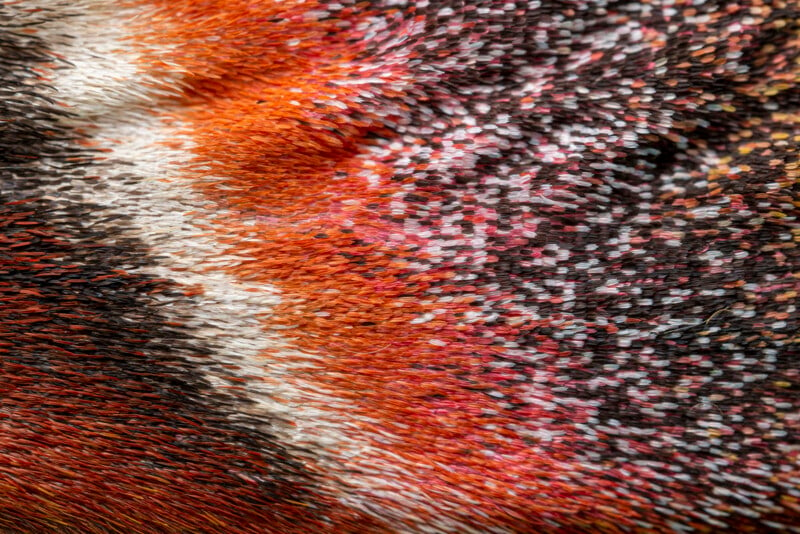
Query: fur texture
point(389, 266)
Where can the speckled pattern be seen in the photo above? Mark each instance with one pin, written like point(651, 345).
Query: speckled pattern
point(465, 266)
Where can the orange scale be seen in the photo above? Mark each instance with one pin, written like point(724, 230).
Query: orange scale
point(236, 38)
point(260, 155)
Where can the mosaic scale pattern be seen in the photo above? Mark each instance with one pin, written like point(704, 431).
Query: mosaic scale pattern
point(399, 267)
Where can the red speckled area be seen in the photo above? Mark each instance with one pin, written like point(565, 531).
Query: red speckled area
point(530, 266)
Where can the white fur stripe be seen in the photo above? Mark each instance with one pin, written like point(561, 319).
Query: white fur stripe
point(112, 101)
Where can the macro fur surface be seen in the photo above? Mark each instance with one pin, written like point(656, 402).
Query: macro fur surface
point(394, 266)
